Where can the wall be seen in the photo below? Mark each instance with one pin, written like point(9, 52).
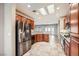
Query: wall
point(9, 29)
point(61, 24)
point(1, 29)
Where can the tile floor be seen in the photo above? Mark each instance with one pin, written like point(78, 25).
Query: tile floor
point(51, 48)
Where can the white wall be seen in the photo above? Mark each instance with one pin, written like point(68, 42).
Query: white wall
point(61, 24)
point(9, 29)
point(1, 29)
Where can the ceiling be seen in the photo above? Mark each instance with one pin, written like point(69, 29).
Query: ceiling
point(62, 11)
point(34, 6)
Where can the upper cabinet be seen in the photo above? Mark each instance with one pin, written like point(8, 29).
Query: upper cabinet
point(25, 20)
point(31, 22)
point(66, 21)
point(74, 18)
point(18, 17)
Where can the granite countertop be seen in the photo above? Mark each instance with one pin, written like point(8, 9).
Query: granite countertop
point(33, 33)
point(67, 38)
point(45, 49)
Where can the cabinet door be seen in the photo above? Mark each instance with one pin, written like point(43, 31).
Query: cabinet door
point(32, 24)
point(46, 37)
point(66, 48)
point(74, 18)
point(65, 21)
point(74, 47)
point(18, 17)
point(39, 37)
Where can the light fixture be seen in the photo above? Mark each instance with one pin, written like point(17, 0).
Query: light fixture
point(50, 8)
point(42, 11)
point(58, 8)
point(28, 6)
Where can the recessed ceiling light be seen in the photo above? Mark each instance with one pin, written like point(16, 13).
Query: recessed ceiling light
point(50, 8)
point(43, 11)
point(58, 8)
point(29, 6)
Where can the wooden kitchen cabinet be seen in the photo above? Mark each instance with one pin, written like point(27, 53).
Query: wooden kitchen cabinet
point(74, 21)
point(74, 46)
point(31, 22)
point(65, 21)
point(40, 38)
point(23, 19)
point(74, 35)
point(67, 47)
point(46, 37)
point(18, 17)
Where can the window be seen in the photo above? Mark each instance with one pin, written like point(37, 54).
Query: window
point(52, 29)
point(45, 29)
point(49, 29)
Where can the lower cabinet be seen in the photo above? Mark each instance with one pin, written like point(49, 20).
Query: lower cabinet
point(40, 38)
point(46, 37)
point(74, 47)
point(67, 48)
point(71, 48)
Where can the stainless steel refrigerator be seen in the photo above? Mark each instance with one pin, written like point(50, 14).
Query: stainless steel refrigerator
point(23, 37)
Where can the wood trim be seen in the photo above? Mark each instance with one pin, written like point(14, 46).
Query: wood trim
point(78, 18)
